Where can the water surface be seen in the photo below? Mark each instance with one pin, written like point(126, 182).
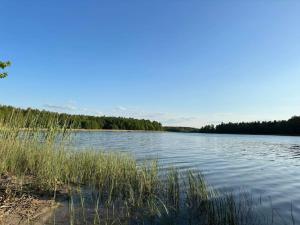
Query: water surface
point(266, 166)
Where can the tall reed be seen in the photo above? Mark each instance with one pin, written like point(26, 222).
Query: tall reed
point(119, 190)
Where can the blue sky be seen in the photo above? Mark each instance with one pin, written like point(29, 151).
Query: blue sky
point(180, 62)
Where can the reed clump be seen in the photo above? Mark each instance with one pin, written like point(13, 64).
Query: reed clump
point(111, 188)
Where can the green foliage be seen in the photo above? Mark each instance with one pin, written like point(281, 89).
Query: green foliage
point(132, 192)
point(122, 190)
point(284, 127)
point(43, 118)
point(3, 65)
point(181, 129)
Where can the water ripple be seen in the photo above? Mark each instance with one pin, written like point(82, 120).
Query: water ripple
point(267, 166)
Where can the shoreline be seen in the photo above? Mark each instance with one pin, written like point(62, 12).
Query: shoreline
point(93, 130)
point(115, 130)
point(21, 205)
point(163, 131)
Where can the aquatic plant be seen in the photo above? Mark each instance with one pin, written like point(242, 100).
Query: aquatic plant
point(112, 188)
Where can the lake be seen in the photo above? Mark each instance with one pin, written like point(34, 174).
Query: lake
point(268, 167)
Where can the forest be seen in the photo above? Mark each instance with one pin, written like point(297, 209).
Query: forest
point(181, 129)
point(283, 127)
point(42, 119)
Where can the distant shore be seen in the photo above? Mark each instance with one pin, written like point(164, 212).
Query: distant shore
point(115, 130)
point(97, 130)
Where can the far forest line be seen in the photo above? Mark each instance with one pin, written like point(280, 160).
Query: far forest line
point(282, 127)
point(42, 118)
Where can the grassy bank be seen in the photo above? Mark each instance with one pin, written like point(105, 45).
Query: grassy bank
point(111, 188)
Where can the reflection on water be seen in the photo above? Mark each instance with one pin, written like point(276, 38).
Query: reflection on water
point(266, 166)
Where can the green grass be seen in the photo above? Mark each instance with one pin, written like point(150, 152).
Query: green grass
point(111, 188)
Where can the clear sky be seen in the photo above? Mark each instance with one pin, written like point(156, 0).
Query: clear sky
point(180, 62)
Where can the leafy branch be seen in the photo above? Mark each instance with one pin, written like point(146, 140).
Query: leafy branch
point(3, 65)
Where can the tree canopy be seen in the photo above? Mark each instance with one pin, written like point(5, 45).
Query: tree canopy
point(282, 127)
point(3, 65)
point(42, 119)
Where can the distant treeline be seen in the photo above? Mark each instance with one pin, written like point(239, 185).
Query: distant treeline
point(42, 118)
point(284, 127)
point(182, 129)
